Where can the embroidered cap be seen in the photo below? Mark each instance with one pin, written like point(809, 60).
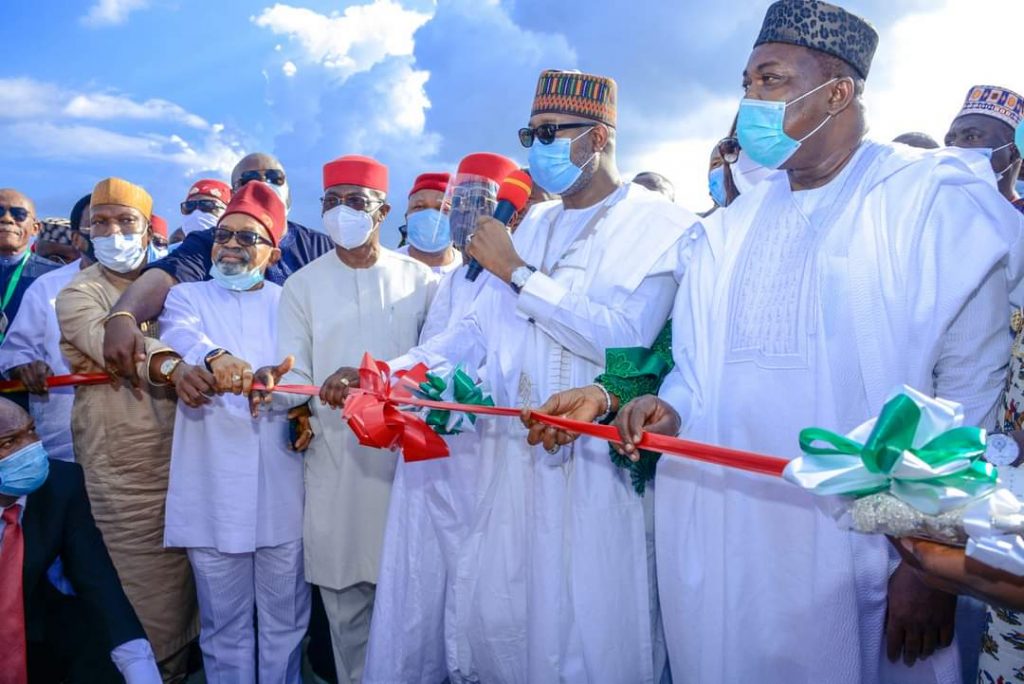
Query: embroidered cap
point(820, 26)
point(578, 94)
point(999, 103)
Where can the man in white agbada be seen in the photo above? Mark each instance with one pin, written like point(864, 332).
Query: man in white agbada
point(477, 172)
point(235, 495)
point(455, 293)
point(862, 267)
point(31, 349)
point(553, 583)
point(432, 502)
point(359, 298)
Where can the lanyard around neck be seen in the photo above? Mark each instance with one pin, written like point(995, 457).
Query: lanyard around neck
point(12, 284)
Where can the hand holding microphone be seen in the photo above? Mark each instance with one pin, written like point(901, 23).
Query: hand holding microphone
point(491, 245)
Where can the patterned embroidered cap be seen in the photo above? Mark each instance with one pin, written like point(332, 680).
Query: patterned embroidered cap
point(820, 26)
point(575, 93)
point(999, 103)
point(57, 230)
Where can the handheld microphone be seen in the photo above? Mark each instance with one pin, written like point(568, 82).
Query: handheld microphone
point(513, 193)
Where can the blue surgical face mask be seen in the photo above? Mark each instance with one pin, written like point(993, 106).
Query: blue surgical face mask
point(551, 165)
point(24, 471)
point(120, 253)
point(429, 231)
point(989, 152)
point(716, 185)
point(761, 129)
point(154, 253)
point(238, 282)
point(1019, 187)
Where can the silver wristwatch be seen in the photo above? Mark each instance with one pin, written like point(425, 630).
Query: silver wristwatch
point(519, 277)
point(1001, 450)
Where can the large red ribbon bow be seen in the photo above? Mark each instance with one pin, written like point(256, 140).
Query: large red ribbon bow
point(373, 415)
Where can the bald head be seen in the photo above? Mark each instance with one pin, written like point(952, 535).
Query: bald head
point(257, 161)
point(919, 140)
point(657, 183)
point(9, 197)
point(18, 223)
point(12, 416)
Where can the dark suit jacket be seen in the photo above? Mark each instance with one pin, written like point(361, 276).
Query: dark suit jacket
point(58, 522)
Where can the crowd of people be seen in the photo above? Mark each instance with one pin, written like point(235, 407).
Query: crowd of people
point(167, 504)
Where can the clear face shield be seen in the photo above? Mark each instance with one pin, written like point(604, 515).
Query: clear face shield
point(467, 198)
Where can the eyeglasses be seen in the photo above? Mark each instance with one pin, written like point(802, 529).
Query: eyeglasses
point(125, 225)
point(275, 176)
point(729, 150)
point(207, 205)
point(19, 214)
point(355, 202)
point(245, 238)
point(546, 132)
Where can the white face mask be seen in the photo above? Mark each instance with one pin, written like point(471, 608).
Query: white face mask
point(348, 227)
point(197, 220)
point(120, 253)
point(746, 173)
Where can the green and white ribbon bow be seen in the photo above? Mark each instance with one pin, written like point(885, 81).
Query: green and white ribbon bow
point(458, 388)
point(917, 450)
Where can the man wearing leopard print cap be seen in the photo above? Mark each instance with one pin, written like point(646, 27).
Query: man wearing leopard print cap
point(857, 267)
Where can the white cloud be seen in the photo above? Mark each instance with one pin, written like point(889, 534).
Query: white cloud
point(26, 98)
point(112, 12)
point(103, 106)
point(683, 154)
point(51, 140)
point(47, 122)
point(352, 42)
point(925, 65)
point(289, 68)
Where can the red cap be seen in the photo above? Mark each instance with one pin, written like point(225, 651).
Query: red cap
point(260, 202)
point(159, 225)
point(493, 166)
point(213, 188)
point(353, 169)
point(430, 181)
point(516, 189)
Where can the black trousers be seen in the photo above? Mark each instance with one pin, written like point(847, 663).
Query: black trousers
point(74, 649)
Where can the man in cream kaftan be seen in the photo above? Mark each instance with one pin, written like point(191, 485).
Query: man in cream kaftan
point(552, 571)
point(805, 309)
point(331, 313)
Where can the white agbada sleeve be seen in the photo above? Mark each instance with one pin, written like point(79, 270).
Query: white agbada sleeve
point(295, 338)
point(25, 341)
point(182, 329)
point(976, 337)
point(462, 343)
point(587, 328)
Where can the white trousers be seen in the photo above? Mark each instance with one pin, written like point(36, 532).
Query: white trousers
point(229, 586)
point(349, 612)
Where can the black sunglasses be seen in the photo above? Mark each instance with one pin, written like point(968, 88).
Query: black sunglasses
point(245, 238)
point(207, 205)
point(275, 176)
point(546, 132)
point(729, 150)
point(19, 214)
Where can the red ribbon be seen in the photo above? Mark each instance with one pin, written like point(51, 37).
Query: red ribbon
point(373, 415)
point(375, 419)
point(9, 386)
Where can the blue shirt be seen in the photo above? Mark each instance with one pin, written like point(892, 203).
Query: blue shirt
point(191, 262)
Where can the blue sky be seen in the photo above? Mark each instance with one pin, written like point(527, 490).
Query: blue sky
point(165, 91)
